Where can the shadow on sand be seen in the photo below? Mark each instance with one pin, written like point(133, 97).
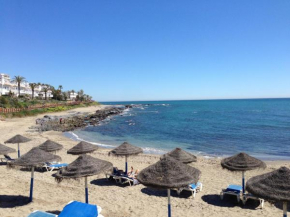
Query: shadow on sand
point(105, 182)
point(215, 200)
point(163, 193)
point(229, 201)
point(279, 205)
point(55, 212)
point(11, 201)
point(37, 170)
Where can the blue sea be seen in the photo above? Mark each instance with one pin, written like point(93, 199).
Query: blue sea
point(211, 128)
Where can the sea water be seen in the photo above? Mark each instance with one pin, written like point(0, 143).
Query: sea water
point(213, 128)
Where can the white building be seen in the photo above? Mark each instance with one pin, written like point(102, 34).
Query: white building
point(73, 96)
point(7, 86)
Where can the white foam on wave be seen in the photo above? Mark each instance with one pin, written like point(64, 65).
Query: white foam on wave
point(163, 104)
point(77, 138)
point(149, 150)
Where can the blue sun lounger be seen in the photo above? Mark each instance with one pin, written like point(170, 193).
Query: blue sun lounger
point(235, 190)
point(73, 209)
point(79, 209)
point(41, 214)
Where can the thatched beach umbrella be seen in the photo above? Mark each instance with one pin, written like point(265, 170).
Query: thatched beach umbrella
point(17, 140)
point(84, 166)
point(34, 158)
point(126, 149)
point(50, 146)
point(83, 148)
point(6, 150)
point(273, 186)
point(182, 156)
point(168, 173)
point(242, 162)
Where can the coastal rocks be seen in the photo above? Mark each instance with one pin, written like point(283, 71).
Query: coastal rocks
point(74, 121)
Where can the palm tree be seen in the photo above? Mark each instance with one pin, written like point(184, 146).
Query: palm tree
point(68, 94)
point(60, 87)
point(65, 95)
point(45, 90)
point(18, 80)
point(33, 86)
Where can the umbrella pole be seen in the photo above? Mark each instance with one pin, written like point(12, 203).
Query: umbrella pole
point(243, 176)
point(126, 165)
point(31, 184)
point(169, 206)
point(86, 190)
point(18, 151)
point(284, 209)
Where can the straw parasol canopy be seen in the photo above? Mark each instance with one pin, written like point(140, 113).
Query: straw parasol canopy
point(168, 173)
point(35, 157)
point(17, 139)
point(50, 146)
point(6, 150)
point(84, 166)
point(83, 148)
point(274, 186)
point(126, 149)
point(182, 156)
point(242, 162)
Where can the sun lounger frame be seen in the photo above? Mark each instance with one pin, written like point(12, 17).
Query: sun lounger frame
point(198, 188)
point(246, 197)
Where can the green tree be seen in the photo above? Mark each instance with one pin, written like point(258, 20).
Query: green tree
point(65, 95)
point(33, 86)
point(19, 80)
point(68, 94)
point(60, 87)
point(45, 90)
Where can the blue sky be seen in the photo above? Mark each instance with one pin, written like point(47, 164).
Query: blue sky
point(150, 50)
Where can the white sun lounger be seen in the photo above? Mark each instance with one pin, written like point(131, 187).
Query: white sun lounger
point(192, 187)
point(50, 167)
point(7, 159)
point(246, 197)
point(131, 181)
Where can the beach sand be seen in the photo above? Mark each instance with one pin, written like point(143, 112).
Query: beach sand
point(117, 200)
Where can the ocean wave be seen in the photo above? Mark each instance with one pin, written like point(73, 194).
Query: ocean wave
point(163, 104)
point(75, 137)
point(149, 150)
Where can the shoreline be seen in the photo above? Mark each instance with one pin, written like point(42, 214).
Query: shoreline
point(49, 195)
point(159, 152)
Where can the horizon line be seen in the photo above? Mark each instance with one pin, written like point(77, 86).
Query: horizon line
point(198, 99)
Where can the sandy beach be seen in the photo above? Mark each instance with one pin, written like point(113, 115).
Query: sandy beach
point(117, 200)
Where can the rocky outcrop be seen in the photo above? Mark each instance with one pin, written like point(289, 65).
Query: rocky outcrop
point(75, 121)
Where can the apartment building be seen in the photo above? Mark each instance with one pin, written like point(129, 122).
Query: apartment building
point(7, 85)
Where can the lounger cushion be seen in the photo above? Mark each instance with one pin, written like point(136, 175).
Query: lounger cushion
point(194, 186)
point(79, 209)
point(236, 188)
point(58, 165)
point(41, 214)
